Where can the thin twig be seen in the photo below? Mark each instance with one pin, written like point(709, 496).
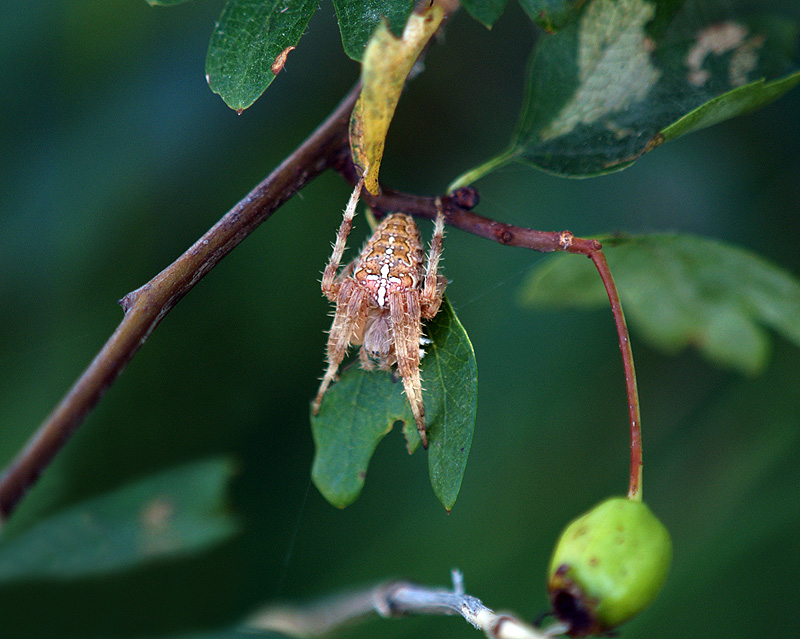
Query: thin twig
point(146, 306)
point(458, 214)
point(396, 599)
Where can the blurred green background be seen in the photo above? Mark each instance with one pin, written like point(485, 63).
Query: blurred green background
point(115, 157)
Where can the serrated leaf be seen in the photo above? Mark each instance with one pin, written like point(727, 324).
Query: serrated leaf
point(174, 513)
point(682, 290)
point(358, 19)
point(485, 11)
point(628, 75)
point(362, 407)
point(552, 15)
point(386, 63)
point(249, 44)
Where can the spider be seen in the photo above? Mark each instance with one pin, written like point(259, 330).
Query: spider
point(381, 299)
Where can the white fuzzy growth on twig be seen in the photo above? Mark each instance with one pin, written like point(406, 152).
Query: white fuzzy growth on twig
point(396, 599)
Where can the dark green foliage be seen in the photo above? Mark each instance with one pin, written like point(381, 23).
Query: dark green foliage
point(485, 11)
point(165, 3)
point(630, 74)
point(174, 513)
point(358, 19)
point(552, 15)
point(682, 290)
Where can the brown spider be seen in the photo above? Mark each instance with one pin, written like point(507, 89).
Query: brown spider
point(381, 299)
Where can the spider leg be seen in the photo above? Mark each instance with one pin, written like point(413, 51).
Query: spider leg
point(386, 364)
point(433, 288)
point(366, 363)
point(351, 310)
point(346, 272)
point(330, 283)
point(405, 312)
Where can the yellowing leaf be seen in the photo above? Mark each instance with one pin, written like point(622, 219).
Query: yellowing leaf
point(386, 63)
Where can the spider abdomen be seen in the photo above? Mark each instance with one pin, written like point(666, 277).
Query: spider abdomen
point(392, 260)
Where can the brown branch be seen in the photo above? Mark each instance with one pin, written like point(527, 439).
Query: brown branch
point(146, 306)
point(458, 214)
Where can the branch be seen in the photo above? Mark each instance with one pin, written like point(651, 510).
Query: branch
point(458, 214)
point(146, 306)
point(327, 147)
point(396, 599)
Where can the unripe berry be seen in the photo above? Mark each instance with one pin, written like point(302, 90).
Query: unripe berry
point(608, 565)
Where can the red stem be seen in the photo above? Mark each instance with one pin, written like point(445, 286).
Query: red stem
point(635, 484)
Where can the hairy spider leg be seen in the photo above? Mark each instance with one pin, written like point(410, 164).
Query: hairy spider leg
point(434, 283)
point(330, 282)
point(351, 310)
point(405, 312)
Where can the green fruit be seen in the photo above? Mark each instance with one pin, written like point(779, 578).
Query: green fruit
point(608, 565)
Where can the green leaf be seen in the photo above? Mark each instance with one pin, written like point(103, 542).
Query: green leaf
point(552, 15)
point(681, 290)
point(630, 74)
point(362, 407)
point(247, 45)
point(174, 513)
point(450, 374)
point(485, 11)
point(737, 102)
point(359, 18)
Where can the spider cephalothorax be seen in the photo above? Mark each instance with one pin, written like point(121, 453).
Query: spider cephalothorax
point(381, 299)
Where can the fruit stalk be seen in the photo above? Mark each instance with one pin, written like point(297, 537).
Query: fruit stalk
point(635, 482)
